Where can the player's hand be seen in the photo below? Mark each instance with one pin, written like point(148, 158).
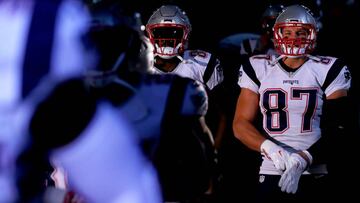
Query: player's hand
point(58, 195)
point(72, 197)
point(295, 166)
point(275, 153)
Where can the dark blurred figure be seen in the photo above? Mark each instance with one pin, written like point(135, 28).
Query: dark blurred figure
point(65, 123)
point(35, 38)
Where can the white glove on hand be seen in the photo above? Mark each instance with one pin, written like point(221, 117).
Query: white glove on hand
point(275, 153)
point(295, 166)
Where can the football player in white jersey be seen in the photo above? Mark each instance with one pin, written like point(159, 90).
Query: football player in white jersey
point(290, 91)
point(169, 29)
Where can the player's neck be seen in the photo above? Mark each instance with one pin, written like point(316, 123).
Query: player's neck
point(166, 65)
point(294, 63)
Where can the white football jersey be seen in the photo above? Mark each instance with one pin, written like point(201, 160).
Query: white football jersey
point(291, 102)
point(198, 65)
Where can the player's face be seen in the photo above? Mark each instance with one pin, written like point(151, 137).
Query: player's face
point(298, 33)
point(295, 32)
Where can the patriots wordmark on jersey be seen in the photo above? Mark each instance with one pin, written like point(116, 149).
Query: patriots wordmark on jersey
point(291, 102)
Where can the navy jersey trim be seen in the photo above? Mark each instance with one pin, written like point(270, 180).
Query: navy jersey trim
point(334, 71)
point(249, 70)
point(39, 44)
point(174, 101)
point(247, 47)
point(209, 69)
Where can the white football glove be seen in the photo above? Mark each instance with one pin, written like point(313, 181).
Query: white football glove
point(275, 153)
point(295, 166)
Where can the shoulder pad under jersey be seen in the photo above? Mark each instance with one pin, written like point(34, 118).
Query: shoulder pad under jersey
point(199, 56)
point(196, 99)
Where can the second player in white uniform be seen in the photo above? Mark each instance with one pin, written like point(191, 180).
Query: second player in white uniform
point(168, 29)
point(291, 102)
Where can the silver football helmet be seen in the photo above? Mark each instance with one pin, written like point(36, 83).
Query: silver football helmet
point(168, 29)
point(295, 31)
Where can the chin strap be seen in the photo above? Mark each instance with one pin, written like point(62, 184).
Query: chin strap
point(176, 49)
point(179, 57)
point(274, 62)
